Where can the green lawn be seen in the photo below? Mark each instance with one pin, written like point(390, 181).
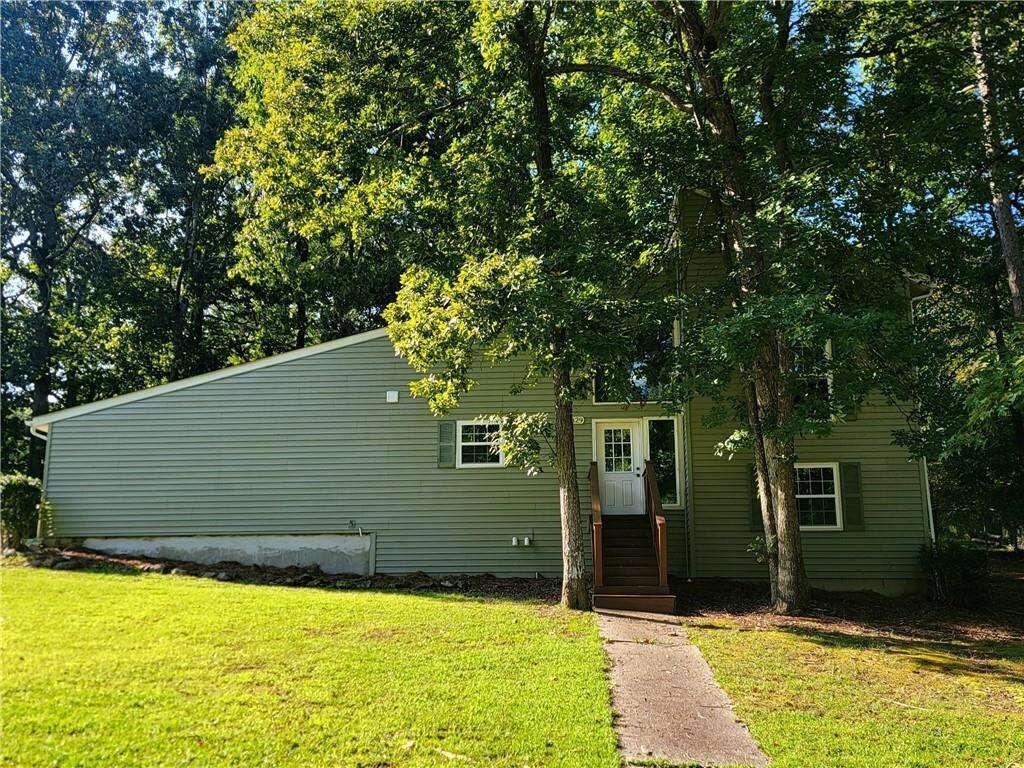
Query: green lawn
point(822, 694)
point(106, 669)
point(109, 669)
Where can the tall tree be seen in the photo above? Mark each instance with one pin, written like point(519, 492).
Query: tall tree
point(80, 97)
point(321, 262)
point(940, 138)
point(431, 139)
point(173, 249)
point(763, 98)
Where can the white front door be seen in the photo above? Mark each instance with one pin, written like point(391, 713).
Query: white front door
point(620, 466)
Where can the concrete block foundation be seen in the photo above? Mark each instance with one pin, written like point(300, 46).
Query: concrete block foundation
point(333, 553)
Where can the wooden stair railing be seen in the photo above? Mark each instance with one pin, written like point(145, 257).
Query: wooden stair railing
point(656, 515)
point(595, 525)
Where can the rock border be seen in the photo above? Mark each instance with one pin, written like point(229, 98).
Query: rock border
point(540, 588)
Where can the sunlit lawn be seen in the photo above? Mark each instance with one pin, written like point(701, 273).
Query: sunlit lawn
point(151, 670)
point(846, 696)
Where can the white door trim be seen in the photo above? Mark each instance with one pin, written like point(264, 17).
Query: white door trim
point(636, 498)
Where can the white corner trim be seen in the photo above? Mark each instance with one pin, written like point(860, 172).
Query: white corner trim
point(39, 423)
point(928, 499)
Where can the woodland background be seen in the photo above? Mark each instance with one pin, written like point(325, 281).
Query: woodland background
point(188, 185)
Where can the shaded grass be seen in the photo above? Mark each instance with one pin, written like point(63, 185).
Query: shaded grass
point(821, 694)
point(109, 669)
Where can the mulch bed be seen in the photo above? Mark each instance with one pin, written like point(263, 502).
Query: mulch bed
point(743, 603)
point(911, 617)
point(481, 585)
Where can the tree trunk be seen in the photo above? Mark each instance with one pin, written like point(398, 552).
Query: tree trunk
point(42, 335)
point(574, 584)
point(771, 535)
point(1006, 228)
point(775, 403)
point(301, 311)
point(530, 37)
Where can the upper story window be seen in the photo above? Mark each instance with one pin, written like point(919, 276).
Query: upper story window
point(812, 368)
point(638, 381)
point(477, 444)
point(818, 502)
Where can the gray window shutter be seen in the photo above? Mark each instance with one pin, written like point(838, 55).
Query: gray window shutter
point(446, 444)
point(756, 521)
point(853, 499)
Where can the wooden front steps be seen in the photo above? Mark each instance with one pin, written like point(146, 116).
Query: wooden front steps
point(630, 568)
point(641, 603)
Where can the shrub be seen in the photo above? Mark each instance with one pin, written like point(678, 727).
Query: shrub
point(20, 497)
point(957, 573)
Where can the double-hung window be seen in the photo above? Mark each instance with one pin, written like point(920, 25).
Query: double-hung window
point(818, 500)
point(477, 444)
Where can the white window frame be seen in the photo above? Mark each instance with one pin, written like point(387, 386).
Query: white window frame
point(645, 427)
point(459, 464)
point(834, 466)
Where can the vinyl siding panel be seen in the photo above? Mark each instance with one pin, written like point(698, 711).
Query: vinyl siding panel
point(311, 446)
point(882, 556)
point(306, 446)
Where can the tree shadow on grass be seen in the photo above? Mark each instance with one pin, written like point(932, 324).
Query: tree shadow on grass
point(743, 605)
point(961, 658)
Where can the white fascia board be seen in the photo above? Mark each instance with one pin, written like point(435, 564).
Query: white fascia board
point(40, 422)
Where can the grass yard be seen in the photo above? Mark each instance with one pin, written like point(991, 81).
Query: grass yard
point(892, 691)
point(104, 669)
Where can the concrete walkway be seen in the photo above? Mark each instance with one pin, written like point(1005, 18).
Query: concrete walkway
point(667, 703)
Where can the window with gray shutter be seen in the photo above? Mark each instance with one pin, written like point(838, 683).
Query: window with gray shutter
point(446, 444)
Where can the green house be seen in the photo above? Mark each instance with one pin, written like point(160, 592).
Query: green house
point(321, 456)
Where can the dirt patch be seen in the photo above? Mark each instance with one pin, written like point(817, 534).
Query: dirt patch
point(479, 585)
point(864, 613)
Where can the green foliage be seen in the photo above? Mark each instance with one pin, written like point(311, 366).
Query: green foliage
point(45, 515)
point(20, 501)
point(957, 572)
point(525, 439)
point(935, 208)
point(759, 550)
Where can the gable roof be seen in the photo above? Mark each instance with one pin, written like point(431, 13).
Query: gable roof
point(40, 422)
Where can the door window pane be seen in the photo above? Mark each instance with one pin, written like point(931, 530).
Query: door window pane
point(618, 450)
point(661, 436)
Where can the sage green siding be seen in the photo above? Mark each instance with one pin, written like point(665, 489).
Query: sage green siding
point(309, 445)
point(883, 556)
point(305, 446)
